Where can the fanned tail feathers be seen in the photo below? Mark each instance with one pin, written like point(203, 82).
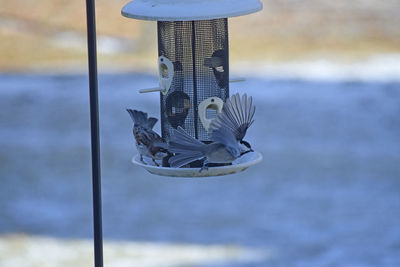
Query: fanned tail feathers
point(180, 160)
point(140, 118)
point(187, 148)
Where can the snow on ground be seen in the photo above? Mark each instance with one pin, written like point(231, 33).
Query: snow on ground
point(32, 251)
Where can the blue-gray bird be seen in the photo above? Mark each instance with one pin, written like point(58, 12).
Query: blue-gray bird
point(227, 132)
point(223, 149)
point(148, 142)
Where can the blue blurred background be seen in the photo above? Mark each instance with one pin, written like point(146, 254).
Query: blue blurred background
point(326, 194)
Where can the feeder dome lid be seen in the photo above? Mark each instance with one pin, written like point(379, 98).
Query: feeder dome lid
point(187, 10)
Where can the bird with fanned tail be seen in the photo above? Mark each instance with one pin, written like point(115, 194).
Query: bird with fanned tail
point(148, 142)
point(227, 132)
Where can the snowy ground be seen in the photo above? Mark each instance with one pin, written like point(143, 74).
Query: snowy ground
point(27, 251)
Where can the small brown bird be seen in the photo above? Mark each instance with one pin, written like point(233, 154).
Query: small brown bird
point(148, 142)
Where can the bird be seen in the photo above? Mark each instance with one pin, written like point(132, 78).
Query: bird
point(148, 142)
point(223, 149)
point(218, 63)
point(227, 132)
point(237, 115)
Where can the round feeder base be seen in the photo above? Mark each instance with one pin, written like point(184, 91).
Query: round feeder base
point(238, 165)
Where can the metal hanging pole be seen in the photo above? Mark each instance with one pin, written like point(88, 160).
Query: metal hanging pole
point(94, 127)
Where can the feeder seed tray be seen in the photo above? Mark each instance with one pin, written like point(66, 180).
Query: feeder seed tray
point(239, 165)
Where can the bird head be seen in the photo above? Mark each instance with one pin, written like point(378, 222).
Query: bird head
point(246, 144)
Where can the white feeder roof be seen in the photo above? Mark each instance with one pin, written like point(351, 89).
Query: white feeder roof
point(184, 10)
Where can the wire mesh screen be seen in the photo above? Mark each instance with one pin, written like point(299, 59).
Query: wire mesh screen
point(200, 56)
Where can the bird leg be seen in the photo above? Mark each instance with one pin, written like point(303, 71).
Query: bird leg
point(158, 165)
point(141, 159)
point(204, 167)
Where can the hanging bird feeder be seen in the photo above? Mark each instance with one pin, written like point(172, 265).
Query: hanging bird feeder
point(193, 64)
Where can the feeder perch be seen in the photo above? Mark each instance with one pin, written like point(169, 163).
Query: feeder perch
point(193, 69)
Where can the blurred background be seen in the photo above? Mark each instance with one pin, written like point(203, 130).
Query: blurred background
point(325, 76)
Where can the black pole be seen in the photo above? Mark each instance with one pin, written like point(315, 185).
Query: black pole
point(94, 128)
point(195, 104)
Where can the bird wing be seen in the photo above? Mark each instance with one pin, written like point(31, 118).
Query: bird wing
point(237, 115)
point(224, 135)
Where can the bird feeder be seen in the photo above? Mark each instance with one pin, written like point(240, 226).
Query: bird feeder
point(193, 64)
